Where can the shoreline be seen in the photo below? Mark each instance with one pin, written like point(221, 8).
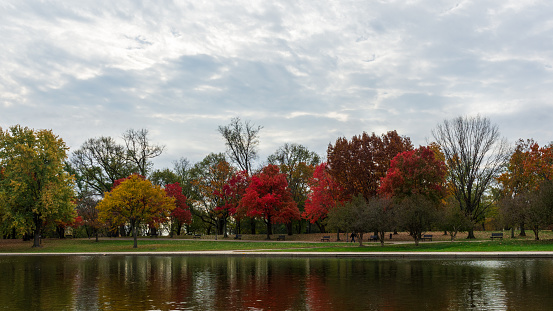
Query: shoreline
point(377, 255)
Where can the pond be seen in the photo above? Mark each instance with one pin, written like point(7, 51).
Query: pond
point(252, 283)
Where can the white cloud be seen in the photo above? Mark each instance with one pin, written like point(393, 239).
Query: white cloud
point(309, 71)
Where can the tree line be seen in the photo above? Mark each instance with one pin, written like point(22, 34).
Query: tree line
point(370, 183)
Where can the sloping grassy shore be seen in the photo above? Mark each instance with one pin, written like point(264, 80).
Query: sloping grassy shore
point(398, 243)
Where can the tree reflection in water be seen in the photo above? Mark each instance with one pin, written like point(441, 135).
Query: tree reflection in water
point(241, 283)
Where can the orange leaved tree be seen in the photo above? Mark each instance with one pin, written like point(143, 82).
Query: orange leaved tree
point(135, 201)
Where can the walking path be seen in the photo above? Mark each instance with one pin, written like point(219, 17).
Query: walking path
point(276, 254)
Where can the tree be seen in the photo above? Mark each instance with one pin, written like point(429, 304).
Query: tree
point(533, 208)
point(140, 150)
point(381, 216)
point(416, 215)
point(452, 220)
point(210, 177)
point(528, 168)
point(98, 163)
point(415, 172)
point(134, 202)
point(164, 177)
point(181, 214)
point(475, 155)
point(233, 192)
point(267, 197)
point(34, 188)
point(241, 140)
point(415, 177)
point(358, 165)
point(86, 209)
point(298, 164)
point(352, 216)
point(322, 198)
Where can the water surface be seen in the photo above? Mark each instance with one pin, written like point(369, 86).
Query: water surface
point(236, 283)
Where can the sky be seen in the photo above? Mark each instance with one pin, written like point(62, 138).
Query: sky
point(309, 72)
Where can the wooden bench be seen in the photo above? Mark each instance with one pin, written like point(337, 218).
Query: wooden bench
point(238, 237)
point(325, 238)
point(373, 238)
point(197, 236)
point(498, 235)
point(426, 237)
point(281, 238)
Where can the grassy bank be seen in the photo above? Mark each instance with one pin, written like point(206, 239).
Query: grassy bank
point(399, 243)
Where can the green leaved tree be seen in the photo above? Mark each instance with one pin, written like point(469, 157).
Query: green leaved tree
point(34, 188)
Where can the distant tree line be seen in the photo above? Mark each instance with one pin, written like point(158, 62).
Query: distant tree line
point(467, 177)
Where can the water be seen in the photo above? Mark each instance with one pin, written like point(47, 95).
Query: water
point(235, 283)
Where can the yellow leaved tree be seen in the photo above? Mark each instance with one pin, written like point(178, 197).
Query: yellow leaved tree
point(134, 202)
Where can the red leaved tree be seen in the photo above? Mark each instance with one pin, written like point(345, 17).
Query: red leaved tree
point(358, 165)
point(181, 214)
point(267, 197)
point(416, 181)
point(323, 196)
point(233, 191)
point(415, 172)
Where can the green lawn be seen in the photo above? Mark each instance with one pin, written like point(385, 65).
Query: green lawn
point(159, 245)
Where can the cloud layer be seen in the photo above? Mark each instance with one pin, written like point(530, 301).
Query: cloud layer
point(308, 71)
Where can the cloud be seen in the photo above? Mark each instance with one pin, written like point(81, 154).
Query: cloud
point(308, 71)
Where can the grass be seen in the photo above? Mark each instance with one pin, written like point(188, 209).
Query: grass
point(255, 243)
point(144, 245)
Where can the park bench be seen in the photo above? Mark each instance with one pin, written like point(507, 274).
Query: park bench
point(426, 237)
point(281, 238)
point(373, 238)
point(325, 238)
point(197, 236)
point(498, 235)
point(238, 237)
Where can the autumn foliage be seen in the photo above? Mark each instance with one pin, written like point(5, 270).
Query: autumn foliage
point(135, 201)
point(415, 172)
point(323, 196)
point(358, 165)
point(232, 193)
point(181, 214)
point(267, 197)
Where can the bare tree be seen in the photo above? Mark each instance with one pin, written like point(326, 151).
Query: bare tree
point(241, 140)
point(98, 163)
point(140, 151)
point(475, 154)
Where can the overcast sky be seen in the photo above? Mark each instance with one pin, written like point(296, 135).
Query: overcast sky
point(307, 71)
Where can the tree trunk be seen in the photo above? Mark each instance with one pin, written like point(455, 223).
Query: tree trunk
point(252, 225)
point(134, 236)
point(38, 228)
point(290, 228)
point(269, 229)
point(536, 233)
point(522, 231)
point(471, 234)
